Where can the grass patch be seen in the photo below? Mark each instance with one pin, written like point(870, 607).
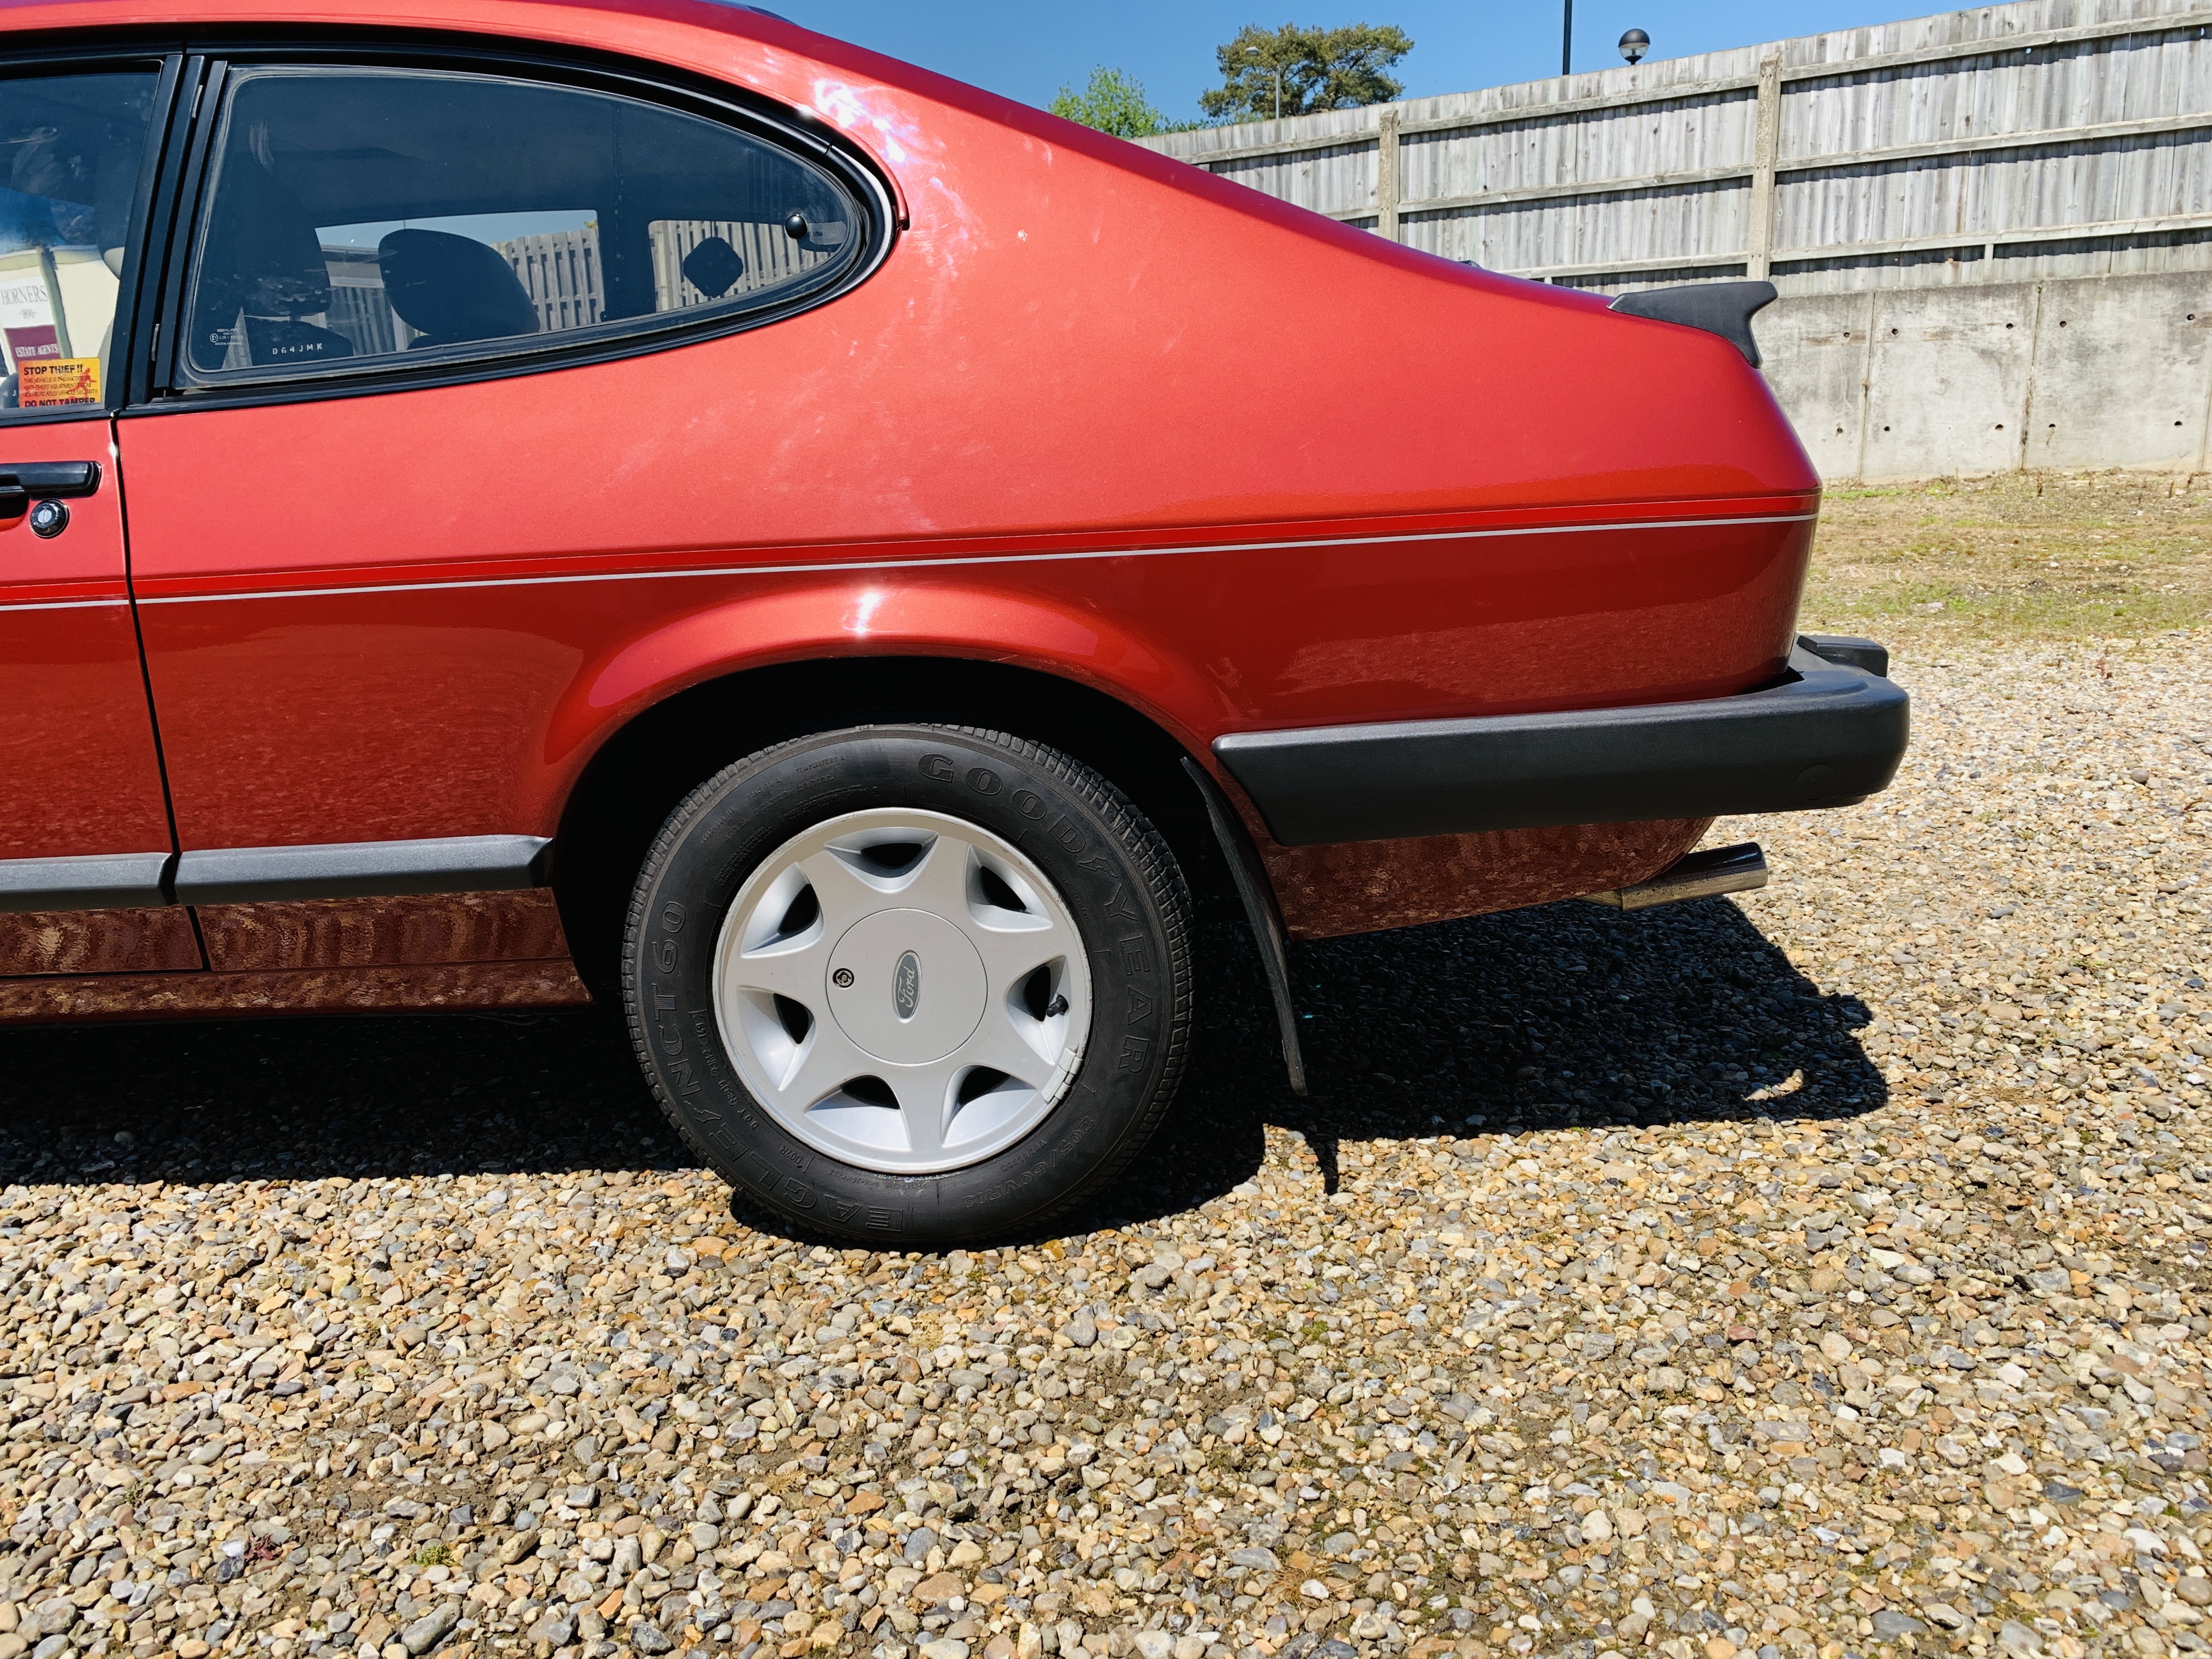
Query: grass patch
point(2100, 555)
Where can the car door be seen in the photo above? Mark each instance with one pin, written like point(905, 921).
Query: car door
point(451, 348)
point(83, 824)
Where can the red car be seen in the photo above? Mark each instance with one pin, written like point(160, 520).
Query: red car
point(506, 502)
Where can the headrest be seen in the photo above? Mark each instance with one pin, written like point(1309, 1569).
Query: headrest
point(450, 288)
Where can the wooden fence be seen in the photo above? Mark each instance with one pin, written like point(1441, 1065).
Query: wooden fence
point(2049, 138)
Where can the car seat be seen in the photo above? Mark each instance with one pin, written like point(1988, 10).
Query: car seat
point(450, 290)
point(263, 262)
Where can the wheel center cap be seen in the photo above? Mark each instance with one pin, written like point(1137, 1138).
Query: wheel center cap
point(907, 987)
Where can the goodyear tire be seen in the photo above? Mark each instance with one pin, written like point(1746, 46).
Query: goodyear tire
point(911, 984)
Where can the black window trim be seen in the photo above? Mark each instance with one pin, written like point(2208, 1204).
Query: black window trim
point(169, 391)
point(166, 57)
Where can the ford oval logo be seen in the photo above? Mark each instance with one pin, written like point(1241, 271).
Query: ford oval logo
point(905, 985)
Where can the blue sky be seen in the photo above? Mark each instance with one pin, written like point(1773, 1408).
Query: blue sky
point(1026, 50)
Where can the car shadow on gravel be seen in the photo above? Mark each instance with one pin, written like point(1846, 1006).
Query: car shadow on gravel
point(299, 1099)
point(1568, 1015)
point(1533, 1020)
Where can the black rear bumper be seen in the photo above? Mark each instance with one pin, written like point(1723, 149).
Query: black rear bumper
point(1831, 735)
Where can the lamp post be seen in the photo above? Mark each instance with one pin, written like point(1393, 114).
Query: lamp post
point(1634, 45)
point(1278, 74)
point(1567, 41)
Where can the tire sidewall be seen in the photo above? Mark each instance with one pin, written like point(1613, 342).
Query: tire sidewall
point(1031, 798)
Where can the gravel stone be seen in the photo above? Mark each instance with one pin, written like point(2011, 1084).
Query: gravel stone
point(1820, 1272)
point(555, 1630)
point(431, 1628)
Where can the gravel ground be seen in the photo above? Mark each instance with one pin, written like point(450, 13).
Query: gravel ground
point(1821, 1273)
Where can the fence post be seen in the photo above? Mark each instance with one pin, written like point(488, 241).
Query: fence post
point(1765, 144)
point(1386, 175)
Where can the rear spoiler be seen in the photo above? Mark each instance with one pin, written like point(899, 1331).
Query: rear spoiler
point(1722, 308)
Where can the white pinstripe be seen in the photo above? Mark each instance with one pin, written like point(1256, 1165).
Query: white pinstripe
point(835, 566)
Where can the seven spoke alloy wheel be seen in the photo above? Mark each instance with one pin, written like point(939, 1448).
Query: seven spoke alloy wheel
point(904, 990)
point(911, 984)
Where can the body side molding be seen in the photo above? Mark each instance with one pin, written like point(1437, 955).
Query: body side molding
point(103, 881)
point(362, 869)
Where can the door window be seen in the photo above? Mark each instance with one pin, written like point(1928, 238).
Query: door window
point(72, 147)
point(364, 218)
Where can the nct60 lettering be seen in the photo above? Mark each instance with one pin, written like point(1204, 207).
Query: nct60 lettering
point(666, 1021)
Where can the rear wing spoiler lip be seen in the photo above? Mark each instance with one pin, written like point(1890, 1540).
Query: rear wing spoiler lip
point(1722, 308)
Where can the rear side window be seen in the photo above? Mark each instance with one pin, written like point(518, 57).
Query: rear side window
point(371, 218)
point(72, 147)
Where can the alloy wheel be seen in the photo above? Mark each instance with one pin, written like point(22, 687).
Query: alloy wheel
point(904, 990)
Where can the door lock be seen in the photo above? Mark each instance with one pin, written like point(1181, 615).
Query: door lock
point(34, 486)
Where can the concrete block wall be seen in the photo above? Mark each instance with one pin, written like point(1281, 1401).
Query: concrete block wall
point(2088, 373)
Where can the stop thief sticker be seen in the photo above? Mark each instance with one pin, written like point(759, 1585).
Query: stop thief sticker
point(43, 382)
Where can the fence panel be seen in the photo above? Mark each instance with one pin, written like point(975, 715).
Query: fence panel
point(2047, 138)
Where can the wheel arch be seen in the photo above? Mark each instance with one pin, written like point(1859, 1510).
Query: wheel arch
point(646, 765)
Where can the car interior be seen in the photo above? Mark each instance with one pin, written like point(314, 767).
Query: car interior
point(359, 213)
point(73, 145)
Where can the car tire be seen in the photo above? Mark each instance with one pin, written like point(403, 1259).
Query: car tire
point(911, 985)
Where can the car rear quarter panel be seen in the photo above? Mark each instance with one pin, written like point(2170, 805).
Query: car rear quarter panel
point(1099, 413)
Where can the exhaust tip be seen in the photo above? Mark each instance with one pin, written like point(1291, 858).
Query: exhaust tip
point(1738, 869)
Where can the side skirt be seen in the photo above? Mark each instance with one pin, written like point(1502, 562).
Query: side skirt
point(413, 953)
point(429, 988)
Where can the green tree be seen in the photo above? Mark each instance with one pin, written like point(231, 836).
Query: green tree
point(1320, 69)
point(1112, 102)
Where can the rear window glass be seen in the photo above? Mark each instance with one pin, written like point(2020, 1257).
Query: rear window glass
point(364, 215)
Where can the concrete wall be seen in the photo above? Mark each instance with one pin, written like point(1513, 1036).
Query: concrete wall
point(1914, 383)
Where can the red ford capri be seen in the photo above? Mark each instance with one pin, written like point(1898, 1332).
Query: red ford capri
point(505, 503)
